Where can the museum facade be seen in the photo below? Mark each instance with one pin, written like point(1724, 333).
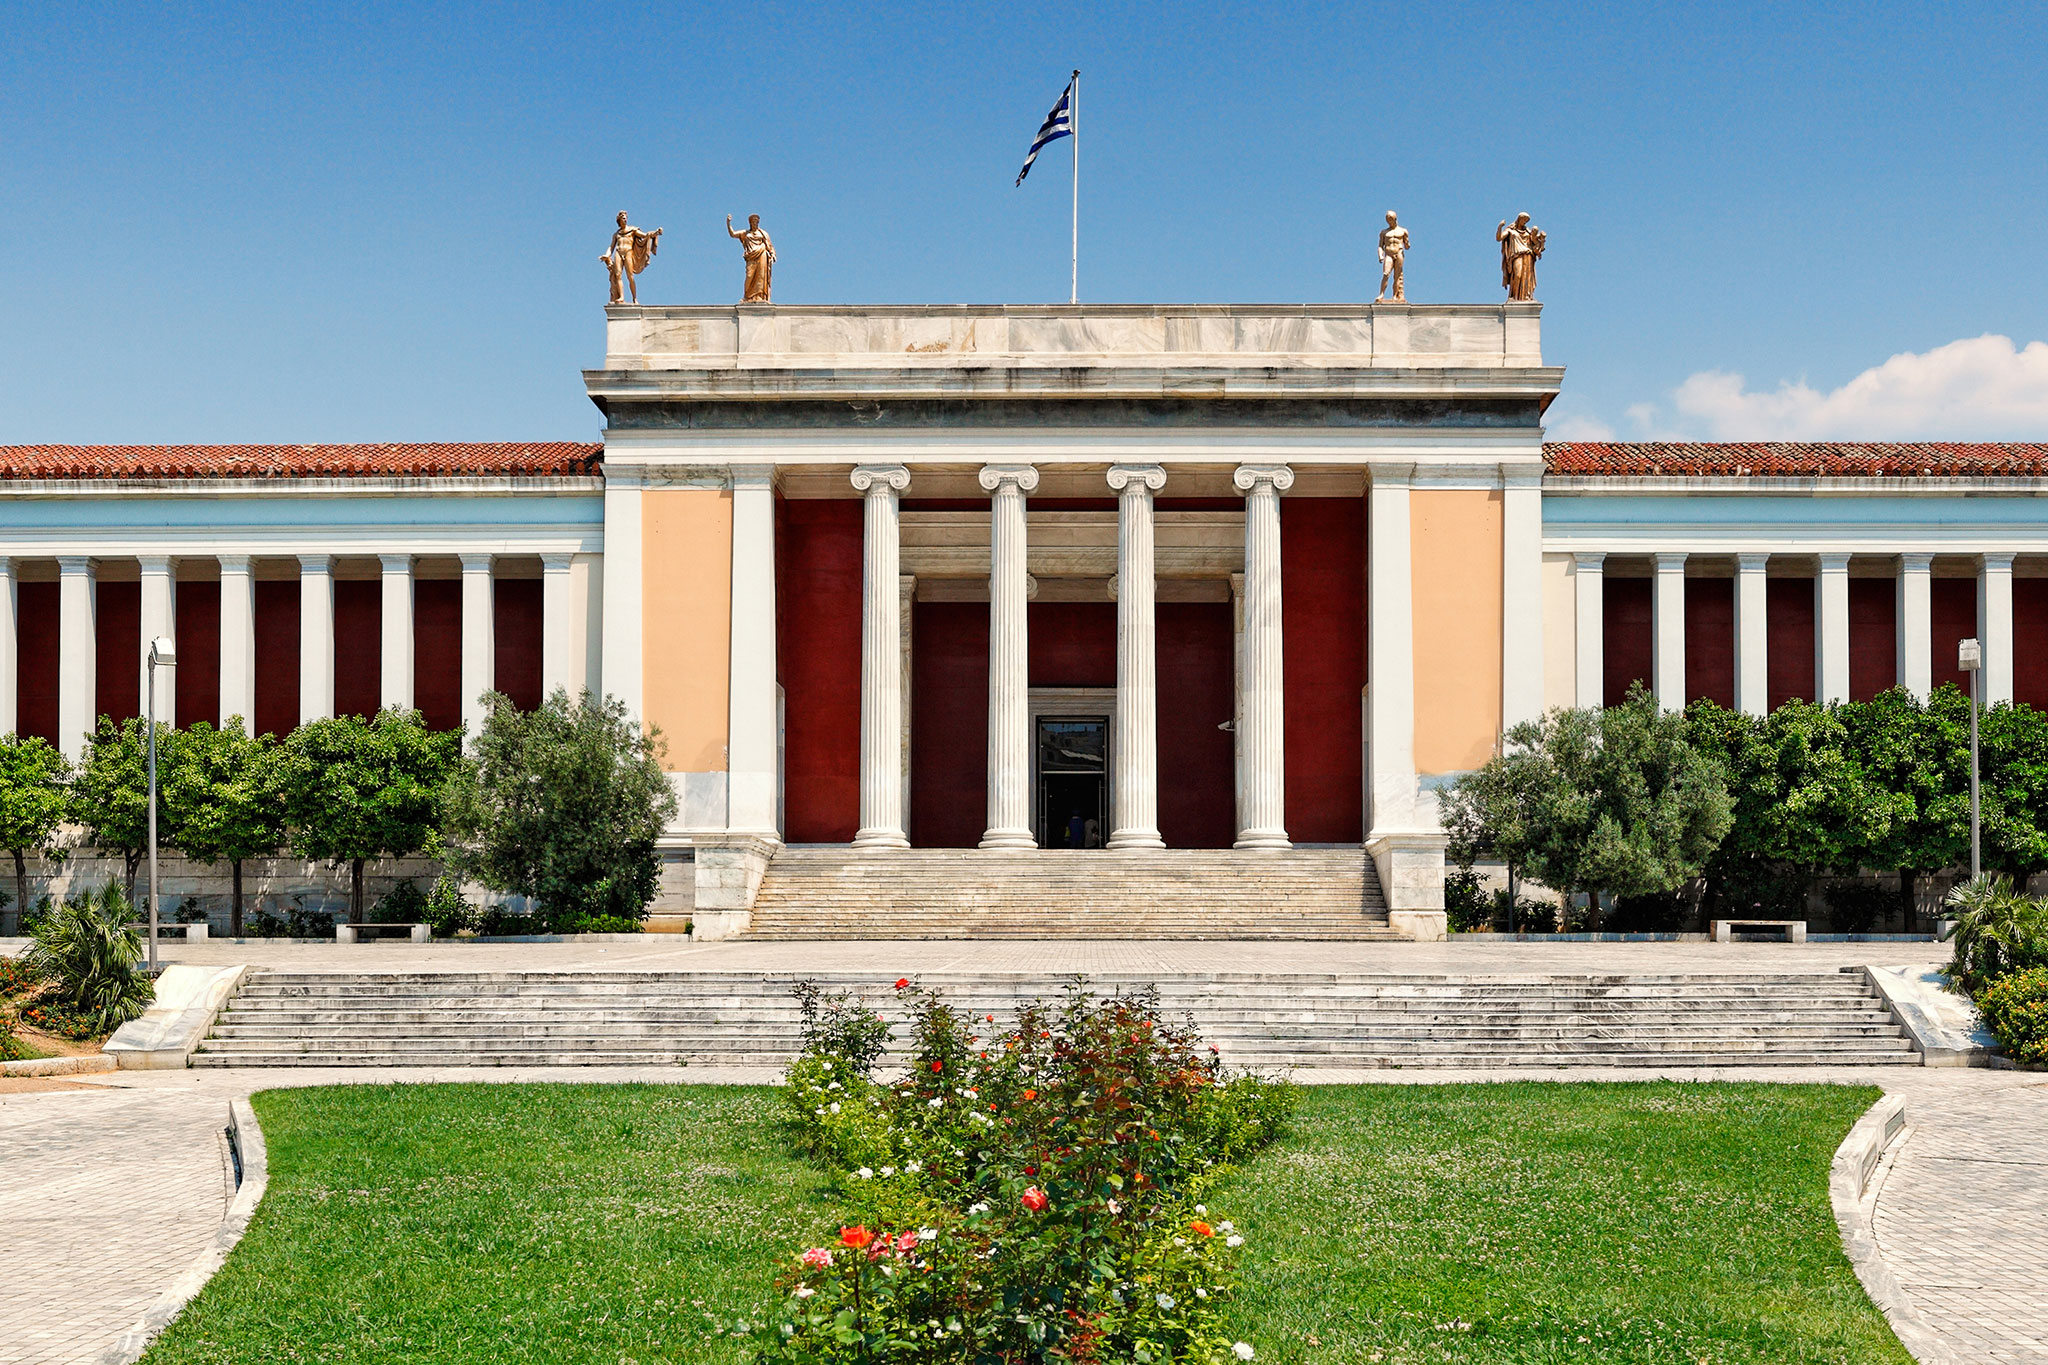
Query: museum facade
point(1085, 578)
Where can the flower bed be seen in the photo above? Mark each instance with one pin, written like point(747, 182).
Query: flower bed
point(1022, 1194)
point(2015, 1008)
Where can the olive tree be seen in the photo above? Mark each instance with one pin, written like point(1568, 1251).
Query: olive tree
point(111, 795)
point(32, 805)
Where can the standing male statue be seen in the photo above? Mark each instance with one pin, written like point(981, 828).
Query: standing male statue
point(631, 250)
point(1520, 246)
point(760, 254)
point(1393, 247)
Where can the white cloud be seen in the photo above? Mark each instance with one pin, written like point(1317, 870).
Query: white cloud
point(1981, 388)
point(1575, 426)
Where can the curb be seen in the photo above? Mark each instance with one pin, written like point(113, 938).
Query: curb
point(250, 1169)
point(58, 1066)
point(1859, 1164)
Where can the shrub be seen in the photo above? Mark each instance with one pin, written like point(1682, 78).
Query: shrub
point(841, 1027)
point(12, 1049)
point(1999, 930)
point(603, 924)
point(1467, 906)
point(447, 911)
point(1854, 907)
point(2015, 1009)
point(95, 957)
point(297, 922)
point(1024, 1194)
point(1663, 912)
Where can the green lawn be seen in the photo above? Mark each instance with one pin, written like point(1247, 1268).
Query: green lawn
point(1523, 1223)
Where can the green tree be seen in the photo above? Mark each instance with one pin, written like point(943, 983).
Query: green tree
point(1626, 805)
point(2013, 743)
point(1491, 813)
point(563, 804)
point(32, 805)
point(221, 800)
point(356, 789)
point(111, 795)
point(1920, 756)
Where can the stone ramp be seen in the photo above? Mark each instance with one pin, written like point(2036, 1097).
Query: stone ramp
point(836, 892)
point(749, 1019)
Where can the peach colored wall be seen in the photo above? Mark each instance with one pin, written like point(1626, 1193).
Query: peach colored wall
point(686, 620)
point(1455, 555)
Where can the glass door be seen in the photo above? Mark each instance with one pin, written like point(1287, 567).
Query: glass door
point(1073, 781)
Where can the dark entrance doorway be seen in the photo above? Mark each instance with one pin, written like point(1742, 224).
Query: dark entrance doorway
point(1073, 781)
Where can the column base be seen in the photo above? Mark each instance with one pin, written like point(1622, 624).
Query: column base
point(880, 838)
point(1008, 838)
point(1135, 838)
point(1263, 838)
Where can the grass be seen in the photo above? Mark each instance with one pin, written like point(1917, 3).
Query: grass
point(1487, 1223)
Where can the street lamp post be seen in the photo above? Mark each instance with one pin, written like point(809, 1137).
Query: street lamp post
point(1970, 659)
point(162, 653)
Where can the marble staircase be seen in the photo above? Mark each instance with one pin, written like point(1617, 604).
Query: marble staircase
point(1282, 1020)
point(836, 892)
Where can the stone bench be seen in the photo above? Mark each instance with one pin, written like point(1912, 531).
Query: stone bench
point(1724, 929)
point(353, 933)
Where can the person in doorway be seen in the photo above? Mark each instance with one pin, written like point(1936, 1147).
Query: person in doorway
point(1076, 831)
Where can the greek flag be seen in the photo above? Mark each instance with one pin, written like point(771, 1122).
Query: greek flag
point(1058, 124)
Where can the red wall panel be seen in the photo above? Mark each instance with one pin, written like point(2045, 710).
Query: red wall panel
point(35, 664)
point(817, 653)
point(1710, 639)
point(2030, 642)
point(1873, 637)
point(358, 646)
point(117, 621)
point(949, 724)
point(277, 656)
point(1322, 571)
point(1788, 616)
point(1197, 758)
point(1954, 612)
point(515, 617)
point(437, 651)
point(1625, 640)
point(198, 681)
point(1073, 644)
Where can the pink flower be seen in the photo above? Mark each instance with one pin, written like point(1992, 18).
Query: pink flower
point(1035, 1200)
point(906, 1241)
point(817, 1256)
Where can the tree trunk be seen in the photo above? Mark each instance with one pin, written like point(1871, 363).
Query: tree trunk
point(1907, 906)
point(1514, 883)
point(355, 891)
point(235, 906)
point(134, 860)
point(20, 893)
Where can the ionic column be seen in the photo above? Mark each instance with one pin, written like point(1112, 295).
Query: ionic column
point(1262, 791)
point(1752, 635)
point(1667, 616)
point(395, 681)
point(237, 641)
point(479, 641)
point(77, 655)
point(753, 747)
point(557, 594)
point(10, 647)
point(1994, 624)
point(881, 657)
point(316, 637)
point(1589, 628)
point(1914, 614)
point(906, 601)
point(1134, 770)
point(1831, 628)
point(1009, 709)
point(159, 617)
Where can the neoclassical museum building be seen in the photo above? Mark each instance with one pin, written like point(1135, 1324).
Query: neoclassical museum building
point(1008, 593)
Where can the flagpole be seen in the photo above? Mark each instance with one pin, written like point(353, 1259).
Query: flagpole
point(1074, 122)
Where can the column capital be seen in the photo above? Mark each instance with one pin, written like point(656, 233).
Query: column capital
point(478, 561)
point(752, 475)
point(72, 566)
point(314, 564)
point(556, 561)
point(153, 564)
point(234, 563)
point(1521, 473)
point(393, 564)
point(1995, 562)
point(1670, 561)
point(1021, 477)
point(1137, 479)
point(1916, 563)
point(6, 565)
point(1751, 562)
point(1834, 561)
point(1390, 474)
point(1589, 561)
point(1249, 478)
point(888, 477)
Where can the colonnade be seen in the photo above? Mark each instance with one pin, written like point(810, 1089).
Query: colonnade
point(1134, 758)
point(1912, 600)
point(78, 663)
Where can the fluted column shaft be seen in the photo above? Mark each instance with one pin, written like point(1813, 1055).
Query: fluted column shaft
point(77, 654)
point(1752, 635)
point(1667, 624)
point(1134, 772)
point(881, 658)
point(159, 617)
point(395, 670)
point(1994, 625)
point(237, 641)
point(10, 647)
point(479, 640)
point(1009, 706)
point(1262, 790)
point(1831, 628)
point(316, 637)
point(1915, 618)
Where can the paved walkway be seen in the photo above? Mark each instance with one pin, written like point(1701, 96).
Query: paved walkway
point(107, 1195)
point(1962, 1217)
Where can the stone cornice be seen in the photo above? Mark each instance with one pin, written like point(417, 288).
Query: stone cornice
point(466, 486)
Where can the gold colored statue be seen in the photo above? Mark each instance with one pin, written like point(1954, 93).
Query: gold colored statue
point(1393, 248)
point(760, 254)
point(631, 250)
point(1520, 247)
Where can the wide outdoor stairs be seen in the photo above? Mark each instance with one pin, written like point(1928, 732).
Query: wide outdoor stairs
point(832, 892)
point(399, 1019)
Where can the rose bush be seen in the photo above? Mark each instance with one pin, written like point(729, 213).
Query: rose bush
point(1028, 1193)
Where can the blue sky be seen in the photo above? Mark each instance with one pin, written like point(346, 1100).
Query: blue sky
point(282, 223)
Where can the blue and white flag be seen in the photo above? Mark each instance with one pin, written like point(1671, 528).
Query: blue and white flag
point(1058, 124)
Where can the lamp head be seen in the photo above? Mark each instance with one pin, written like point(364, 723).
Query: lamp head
point(1969, 655)
point(163, 652)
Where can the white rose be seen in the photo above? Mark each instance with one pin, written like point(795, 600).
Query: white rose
point(1243, 1350)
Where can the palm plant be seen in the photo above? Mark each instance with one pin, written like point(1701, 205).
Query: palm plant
point(1999, 929)
point(92, 951)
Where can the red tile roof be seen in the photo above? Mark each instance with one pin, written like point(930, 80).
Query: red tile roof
point(1799, 459)
point(408, 460)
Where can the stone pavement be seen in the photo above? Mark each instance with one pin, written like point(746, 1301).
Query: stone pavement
point(1961, 1218)
point(107, 1195)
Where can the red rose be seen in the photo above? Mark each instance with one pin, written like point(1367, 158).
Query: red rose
point(1031, 1094)
point(855, 1237)
point(902, 983)
point(1031, 1170)
point(1035, 1200)
point(906, 1242)
point(938, 1067)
